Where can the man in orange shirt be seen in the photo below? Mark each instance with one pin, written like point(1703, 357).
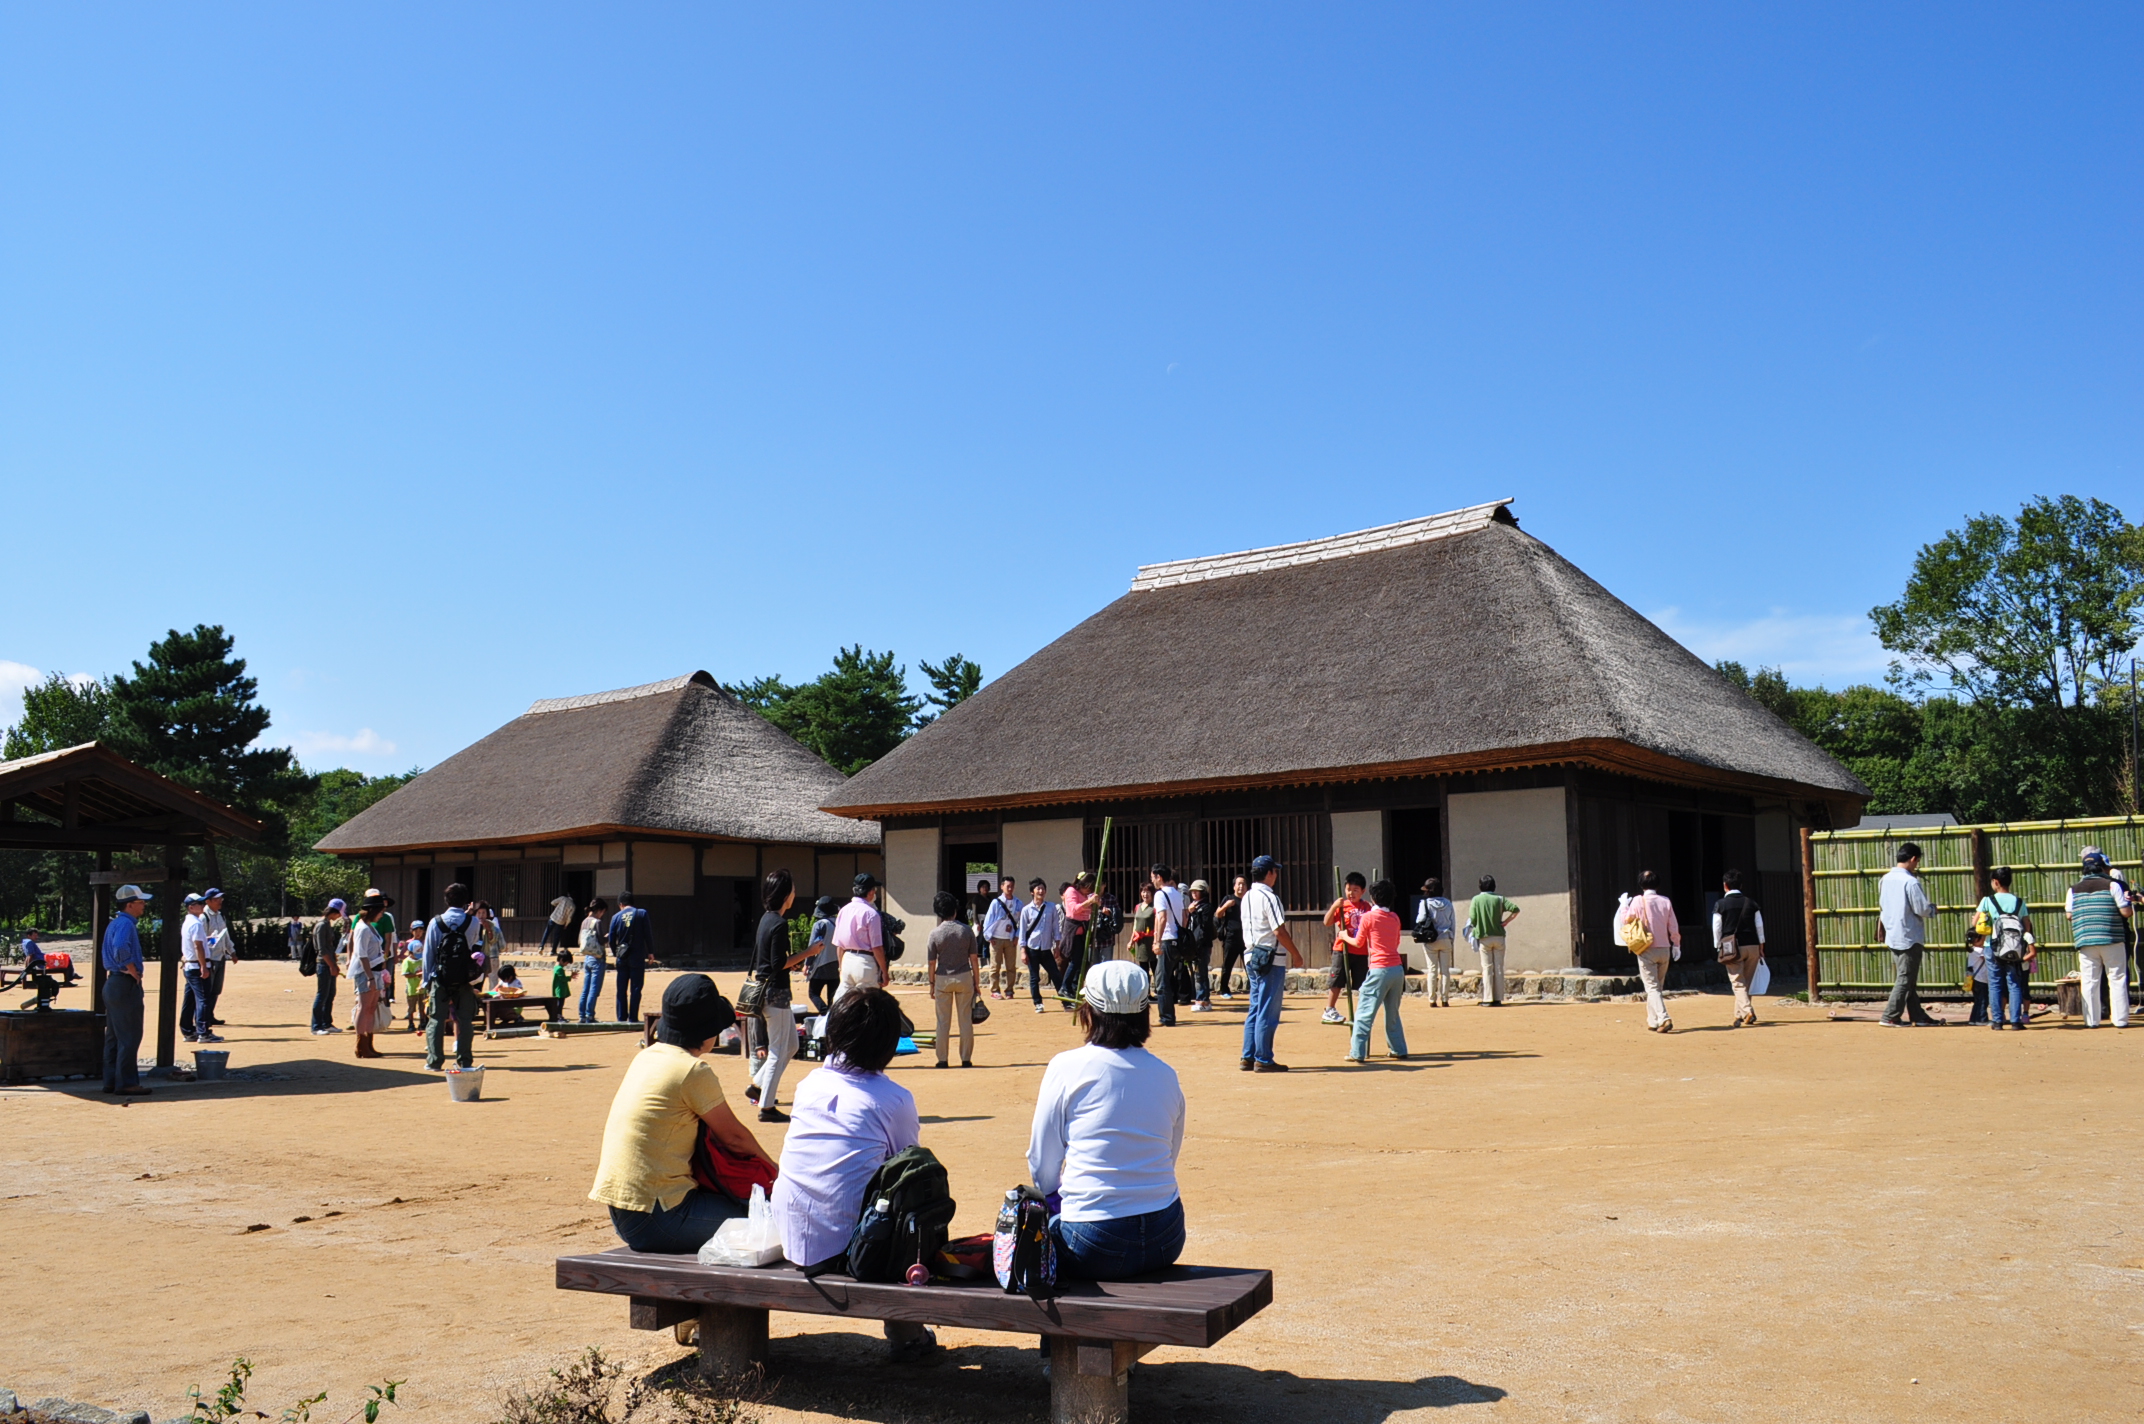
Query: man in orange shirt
point(1349, 967)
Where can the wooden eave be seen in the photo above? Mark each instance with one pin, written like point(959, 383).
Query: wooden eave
point(96, 799)
point(1604, 754)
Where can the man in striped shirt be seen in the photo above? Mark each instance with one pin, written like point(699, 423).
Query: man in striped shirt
point(2098, 904)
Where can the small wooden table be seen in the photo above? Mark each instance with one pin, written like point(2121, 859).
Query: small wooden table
point(1095, 1329)
point(488, 1007)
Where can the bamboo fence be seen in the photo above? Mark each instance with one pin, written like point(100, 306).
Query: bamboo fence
point(1848, 960)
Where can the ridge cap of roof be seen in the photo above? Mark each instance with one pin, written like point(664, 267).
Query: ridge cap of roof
point(1334, 546)
point(622, 694)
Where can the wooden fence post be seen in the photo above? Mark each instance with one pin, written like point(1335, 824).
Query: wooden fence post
point(1809, 910)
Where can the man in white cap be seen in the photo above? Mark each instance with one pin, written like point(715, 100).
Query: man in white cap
point(219, 948)
point(121, 953)
point(193, 959)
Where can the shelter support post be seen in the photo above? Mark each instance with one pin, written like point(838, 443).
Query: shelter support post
point(1809, 909)
point(733, 1340)
point(100, 915)
point(167, 953)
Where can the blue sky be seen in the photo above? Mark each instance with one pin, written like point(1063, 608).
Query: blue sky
point(455, 356)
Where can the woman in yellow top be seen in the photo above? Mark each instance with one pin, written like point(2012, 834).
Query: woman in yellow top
point(645, 1176)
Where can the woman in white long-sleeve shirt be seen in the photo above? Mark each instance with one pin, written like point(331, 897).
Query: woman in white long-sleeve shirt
point(1109, 1124)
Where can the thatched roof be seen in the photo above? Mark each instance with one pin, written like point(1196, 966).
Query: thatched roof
point(1448, 644)
point(679, 757)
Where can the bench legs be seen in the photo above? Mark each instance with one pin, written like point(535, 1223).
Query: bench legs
point(733, 1340)
point(1088, 1380)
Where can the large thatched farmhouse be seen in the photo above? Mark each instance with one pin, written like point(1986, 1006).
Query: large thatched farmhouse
point(673, 791)
point(1445, 696)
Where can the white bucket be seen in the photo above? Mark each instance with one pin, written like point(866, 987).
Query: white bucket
point(465, 1085)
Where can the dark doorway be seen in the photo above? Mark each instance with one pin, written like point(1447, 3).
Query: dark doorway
point(581, 885)
point(426, 906)
point(465, 875)
point(1416, 837)
point(962, 865)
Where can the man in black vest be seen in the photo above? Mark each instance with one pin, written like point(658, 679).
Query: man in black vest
point(1738, 935)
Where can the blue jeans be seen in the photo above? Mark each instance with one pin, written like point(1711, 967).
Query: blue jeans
point(1381, 988)
point(2007, 984)
point(1113, 1250)
point(591, 989)
point(196, 1023)
point(1264, 1016)
point(679, 1231)
point(324, 1001)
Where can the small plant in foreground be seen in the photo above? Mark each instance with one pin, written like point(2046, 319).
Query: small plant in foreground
point(230, 1401)
point(587, 1392)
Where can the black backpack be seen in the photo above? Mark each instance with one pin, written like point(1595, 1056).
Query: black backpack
point(308, 957)
point(454, 967)
point(907, 1208)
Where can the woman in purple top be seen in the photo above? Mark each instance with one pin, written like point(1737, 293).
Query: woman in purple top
point(847, 1120)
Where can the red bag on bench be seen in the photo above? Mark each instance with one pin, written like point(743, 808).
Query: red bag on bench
point(718, 1169)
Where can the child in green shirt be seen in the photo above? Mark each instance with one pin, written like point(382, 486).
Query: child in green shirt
point(562, 977)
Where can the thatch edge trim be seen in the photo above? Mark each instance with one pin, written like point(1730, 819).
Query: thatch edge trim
point(1602, 754)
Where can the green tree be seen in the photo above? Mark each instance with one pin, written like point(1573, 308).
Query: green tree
point(2035, 612)
point(58, 712)
point(851, 715)
point(190, 713)
point(953, 682)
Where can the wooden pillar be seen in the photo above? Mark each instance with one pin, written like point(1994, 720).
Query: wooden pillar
point(167, 953)
point(1809, 909)
point(1089, 1380)
point(733, 1341)
point(1981, 867)
point(100, 916)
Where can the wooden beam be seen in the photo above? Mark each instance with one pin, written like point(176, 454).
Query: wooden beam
point(28, 835)
point(167, 975)
point(71, 805)
point(139, 875)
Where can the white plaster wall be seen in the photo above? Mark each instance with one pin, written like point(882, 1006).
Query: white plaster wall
point(662, 868)
point(1358, 844)
point(1050, 849)
point(727, 859)
point(912, 880)
point(1521, 838)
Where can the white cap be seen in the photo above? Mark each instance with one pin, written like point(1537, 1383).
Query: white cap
point(130, 892)
point(1116, 986)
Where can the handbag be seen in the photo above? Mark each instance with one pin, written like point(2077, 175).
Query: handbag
point(383, 1016)
point(752, 996)
point(980, 1011)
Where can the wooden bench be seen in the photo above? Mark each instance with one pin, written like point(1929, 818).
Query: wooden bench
point(488, 1008)
point(1095, 1329)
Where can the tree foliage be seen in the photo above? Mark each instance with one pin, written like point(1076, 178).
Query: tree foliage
point(1979, 761)
point(953, 682)
point(860, 708)
point(190, 713)
point(59, 712)
point(2032, 612)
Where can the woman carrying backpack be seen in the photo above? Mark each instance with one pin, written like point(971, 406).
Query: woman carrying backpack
point(2003, 927)
point(1109, 1125)
point(848, 1120)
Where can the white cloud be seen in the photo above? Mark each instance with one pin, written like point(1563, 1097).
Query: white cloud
point(364, 742)
point(1832, 649)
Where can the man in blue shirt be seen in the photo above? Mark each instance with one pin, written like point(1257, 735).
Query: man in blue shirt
point(121, 953)
point(632, 945)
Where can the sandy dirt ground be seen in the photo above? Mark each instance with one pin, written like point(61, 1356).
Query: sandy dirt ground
point(1548, 1215)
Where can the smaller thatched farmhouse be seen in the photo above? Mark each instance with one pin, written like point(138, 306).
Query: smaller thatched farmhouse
point(673, 791)
point(1445, 696)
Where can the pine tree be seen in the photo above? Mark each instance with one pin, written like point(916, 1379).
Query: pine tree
point(190, 714)
point(953, 682)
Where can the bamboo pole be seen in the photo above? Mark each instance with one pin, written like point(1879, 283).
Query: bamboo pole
point(1809, 910)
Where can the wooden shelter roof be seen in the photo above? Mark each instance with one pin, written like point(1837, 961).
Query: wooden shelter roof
point(1450, 644)
point(99, 800)
point(680, 757)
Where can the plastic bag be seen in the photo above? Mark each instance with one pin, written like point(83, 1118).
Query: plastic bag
point(748, 1240)
point(1761, 981)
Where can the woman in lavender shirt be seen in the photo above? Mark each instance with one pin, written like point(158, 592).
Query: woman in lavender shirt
point(847, 1120)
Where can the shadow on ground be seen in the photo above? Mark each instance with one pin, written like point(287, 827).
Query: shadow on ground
point(845, 1374)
